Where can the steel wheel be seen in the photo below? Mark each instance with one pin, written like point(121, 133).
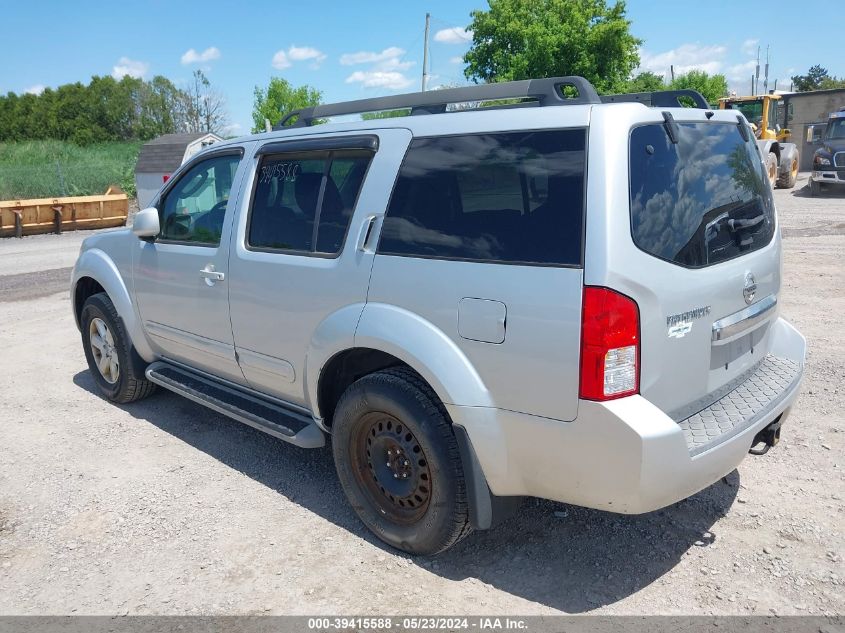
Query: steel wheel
point(102, 348)
point(391, 467)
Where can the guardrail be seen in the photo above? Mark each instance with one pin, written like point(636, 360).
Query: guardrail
point(69, 213)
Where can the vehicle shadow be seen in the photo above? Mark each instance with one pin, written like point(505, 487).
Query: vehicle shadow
point(568, 558)
point(836, 192)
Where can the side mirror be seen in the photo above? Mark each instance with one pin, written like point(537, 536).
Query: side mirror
point(146, 225)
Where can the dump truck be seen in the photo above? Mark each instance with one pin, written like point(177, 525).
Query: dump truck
point(829, 158)
point(780, 156)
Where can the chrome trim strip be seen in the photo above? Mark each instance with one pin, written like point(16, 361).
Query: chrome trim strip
point(730, 326)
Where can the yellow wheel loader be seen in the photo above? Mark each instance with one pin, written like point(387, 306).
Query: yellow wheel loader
point(780, 156)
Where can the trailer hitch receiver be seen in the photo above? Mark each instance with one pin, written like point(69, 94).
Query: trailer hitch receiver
point(766, 437)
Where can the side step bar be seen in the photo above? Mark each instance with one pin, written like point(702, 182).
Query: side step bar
point(240, 405)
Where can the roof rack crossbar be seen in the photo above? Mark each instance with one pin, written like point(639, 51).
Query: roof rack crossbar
point(546, 92)
point(660, 98)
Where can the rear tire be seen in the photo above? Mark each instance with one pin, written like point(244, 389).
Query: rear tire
point(772, 168)
point(117, 369)
point(787, 180)
point(398, 462)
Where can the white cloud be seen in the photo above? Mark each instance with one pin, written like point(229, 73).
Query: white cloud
point(379, 79)
point(280, 61)
point(369, 57)
point(131, 67)
point(741, 72)
point(285, 59)
point(385, 68)
point(454, 35)
point(37, 89)
point(749, 47)
point(303, 53)
point(193, 57)
point(456, 60)
point(685, 58)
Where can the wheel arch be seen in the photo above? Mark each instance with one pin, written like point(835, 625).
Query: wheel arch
point(96, 272)
point(386, 336)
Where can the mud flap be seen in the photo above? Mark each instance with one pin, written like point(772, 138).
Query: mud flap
point(486, 510)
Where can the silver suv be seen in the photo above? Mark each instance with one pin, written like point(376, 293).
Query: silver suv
point(558, 295)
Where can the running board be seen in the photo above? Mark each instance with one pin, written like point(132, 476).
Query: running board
point(240, 405)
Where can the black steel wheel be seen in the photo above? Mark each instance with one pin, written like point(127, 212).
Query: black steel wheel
point(390, 465)
point(398, 462)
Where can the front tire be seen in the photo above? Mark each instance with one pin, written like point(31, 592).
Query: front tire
point(114, 364)
point(398, 462)
point(815, 188)
point(772, 168)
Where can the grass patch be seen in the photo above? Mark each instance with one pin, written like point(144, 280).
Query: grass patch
point(49, 169)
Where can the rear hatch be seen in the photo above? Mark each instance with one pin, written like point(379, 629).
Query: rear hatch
point(701, 257)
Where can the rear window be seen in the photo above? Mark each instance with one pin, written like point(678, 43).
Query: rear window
point(506, 198)
point(703, 200)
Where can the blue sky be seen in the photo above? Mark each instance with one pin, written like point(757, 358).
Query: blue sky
point(368, 48)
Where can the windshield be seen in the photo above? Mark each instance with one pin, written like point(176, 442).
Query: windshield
point(835, 129)
point(702, 200)
point(751, 110)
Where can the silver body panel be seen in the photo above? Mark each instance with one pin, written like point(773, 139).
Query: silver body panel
point(499, 344)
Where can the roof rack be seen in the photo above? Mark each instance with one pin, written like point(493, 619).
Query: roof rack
point(546, 92)
point(660, 98)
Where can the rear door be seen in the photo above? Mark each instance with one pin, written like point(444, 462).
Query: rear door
point(690, 234)
point(298, 256)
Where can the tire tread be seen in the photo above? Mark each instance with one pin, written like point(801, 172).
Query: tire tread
point(136, 387)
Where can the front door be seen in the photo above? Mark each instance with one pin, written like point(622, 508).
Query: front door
point(181, 278)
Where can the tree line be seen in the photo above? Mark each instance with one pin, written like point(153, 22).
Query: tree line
point(108, 109)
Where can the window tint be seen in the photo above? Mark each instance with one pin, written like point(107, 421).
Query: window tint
point(515, 198)
point(194, 209)
point(295, 191)
point(701, 201)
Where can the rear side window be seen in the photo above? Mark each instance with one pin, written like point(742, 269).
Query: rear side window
point(511, 198)
point(304, 202)
point(700, 201)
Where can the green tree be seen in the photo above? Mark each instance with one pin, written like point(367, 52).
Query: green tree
point(644, 82)
point(711, 86)
point(279, 98)
point(812, 80)
point(524, 39)
point(829, 83)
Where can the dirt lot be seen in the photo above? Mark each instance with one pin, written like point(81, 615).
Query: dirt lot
point(164, 507)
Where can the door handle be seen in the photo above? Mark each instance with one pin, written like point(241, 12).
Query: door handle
point(366, 236)
point(211, 276)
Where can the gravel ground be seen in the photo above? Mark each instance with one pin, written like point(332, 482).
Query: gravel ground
point(163, 507)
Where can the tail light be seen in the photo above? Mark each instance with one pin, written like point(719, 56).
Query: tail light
point(610, 345)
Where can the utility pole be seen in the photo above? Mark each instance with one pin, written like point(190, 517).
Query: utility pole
point(766, 76)
point(672, 71)
point(425, 52)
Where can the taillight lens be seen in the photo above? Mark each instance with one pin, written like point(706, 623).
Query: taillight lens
point(610, 345)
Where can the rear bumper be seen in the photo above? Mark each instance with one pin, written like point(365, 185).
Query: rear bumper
point(624, 455)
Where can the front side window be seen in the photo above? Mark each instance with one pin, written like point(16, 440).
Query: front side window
point(304, 202)
point(193, 210)
point(703, 200)
point(509, 198)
